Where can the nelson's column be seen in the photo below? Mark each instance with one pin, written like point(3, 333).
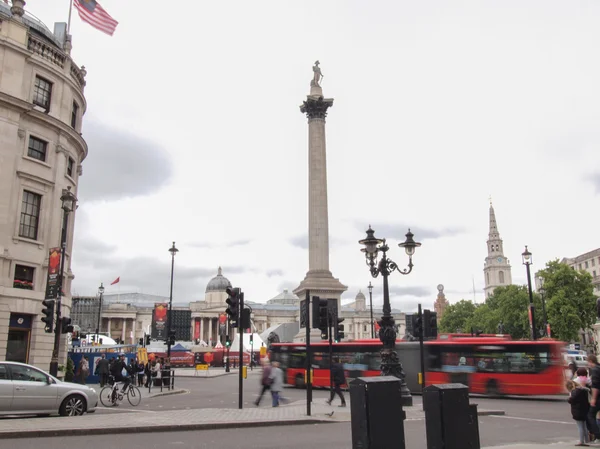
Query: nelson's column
point(318, 281)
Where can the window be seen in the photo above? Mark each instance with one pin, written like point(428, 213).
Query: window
point(487, 278)
point(42, 93)
point(580, 266)
point(593, 262)
point(30, 215)
point(26, 373)
point(37, 149)
point(74, 113)
point(501, 274)
point(594, 273)
point(70, 164)
point(586, 264)
point(23, 277)
point(3, 372)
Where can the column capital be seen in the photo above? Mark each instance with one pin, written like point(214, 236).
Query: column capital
point(316, 106)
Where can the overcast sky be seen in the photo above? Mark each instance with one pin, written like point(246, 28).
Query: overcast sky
point(195, 136)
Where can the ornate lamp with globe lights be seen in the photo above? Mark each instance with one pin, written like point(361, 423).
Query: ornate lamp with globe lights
point(390, 363)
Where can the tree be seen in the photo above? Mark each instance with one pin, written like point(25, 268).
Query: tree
point(510, 305)
point(570, 300)
point(456, 316)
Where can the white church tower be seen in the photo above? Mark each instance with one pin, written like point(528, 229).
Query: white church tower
point(497, 267)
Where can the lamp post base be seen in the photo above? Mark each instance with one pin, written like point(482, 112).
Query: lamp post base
point(391, 366)
point(54, 368)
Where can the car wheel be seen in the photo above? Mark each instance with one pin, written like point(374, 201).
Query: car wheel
point(73, 405)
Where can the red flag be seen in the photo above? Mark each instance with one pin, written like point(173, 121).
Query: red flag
point(91, 12)
point(116, 281)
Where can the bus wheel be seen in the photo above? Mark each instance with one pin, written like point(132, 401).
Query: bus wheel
point(300, 381)
point(492, 388)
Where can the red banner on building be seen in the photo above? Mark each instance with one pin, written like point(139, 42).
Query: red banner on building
point(159, 321)
point(53, 270)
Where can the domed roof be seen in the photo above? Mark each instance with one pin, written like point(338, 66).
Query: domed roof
point(360, 295)
point(284, 298)
point(218, 284)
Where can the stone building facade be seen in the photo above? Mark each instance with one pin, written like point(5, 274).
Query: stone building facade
point(589, 262)
point(41, 150)
point(128, 317)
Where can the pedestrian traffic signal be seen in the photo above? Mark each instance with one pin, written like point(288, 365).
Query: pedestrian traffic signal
point(246, 323)
point(417, 326)
point(227, 341)
point(233, 301)
point(339, 330)
point(48, 312)
point(172, 338)
point(429, 324)
point(66, 327)
point(323, 318)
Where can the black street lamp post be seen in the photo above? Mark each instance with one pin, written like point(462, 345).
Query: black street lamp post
point(370, 287)
point(173, 251)
point(528, 261)
point(100, 293)
point(542, 292)
point(69, 201)
point(390, 364)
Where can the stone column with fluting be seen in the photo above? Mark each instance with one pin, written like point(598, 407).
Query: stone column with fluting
point(319, 280)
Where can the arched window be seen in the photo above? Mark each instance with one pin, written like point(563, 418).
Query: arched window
point(501, 274)
point(487, 277)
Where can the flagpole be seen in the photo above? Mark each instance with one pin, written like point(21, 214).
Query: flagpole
point(70, 11)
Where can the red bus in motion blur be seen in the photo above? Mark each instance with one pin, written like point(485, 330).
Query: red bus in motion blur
point(493, 365)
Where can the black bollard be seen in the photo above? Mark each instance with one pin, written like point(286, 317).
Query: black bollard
point(450, 421)
point(376, 413)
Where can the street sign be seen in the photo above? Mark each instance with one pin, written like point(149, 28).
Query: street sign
point(202, 367)
point(263, 351)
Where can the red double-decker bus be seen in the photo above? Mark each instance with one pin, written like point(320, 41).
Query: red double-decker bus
point(493, 365)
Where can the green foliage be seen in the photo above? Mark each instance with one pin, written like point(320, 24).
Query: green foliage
point(570, 300)
point(509, 305)
point(456, 317)
point(70, 370)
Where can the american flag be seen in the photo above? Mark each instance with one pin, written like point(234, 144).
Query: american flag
point(91, 12)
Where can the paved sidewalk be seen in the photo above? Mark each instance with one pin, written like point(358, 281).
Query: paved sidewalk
point(563, 445)
point(138, 421)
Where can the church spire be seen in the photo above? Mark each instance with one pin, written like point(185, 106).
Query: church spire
point(494, 234)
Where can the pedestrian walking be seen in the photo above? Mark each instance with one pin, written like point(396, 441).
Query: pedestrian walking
point(339, 379)
point(580, 406)
point(276, 377)
point(102, 370)
point(265, 381)
point(84, 369)
point(595, 401)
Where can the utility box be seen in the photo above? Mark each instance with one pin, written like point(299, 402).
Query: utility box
point(450, 421)
point(376, 413)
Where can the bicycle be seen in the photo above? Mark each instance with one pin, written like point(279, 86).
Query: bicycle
point(111, 395)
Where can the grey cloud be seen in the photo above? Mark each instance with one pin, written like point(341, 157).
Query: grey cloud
point(412, 290)
point(300, 241)
point(207, 245)
point(121, 165)
point(595, 180)
point(95, 262)
point(397, 231)
point(275, 272)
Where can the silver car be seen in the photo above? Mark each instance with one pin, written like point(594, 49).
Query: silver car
point(27, 390)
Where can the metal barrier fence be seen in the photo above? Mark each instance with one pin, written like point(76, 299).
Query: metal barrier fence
point(166, 380)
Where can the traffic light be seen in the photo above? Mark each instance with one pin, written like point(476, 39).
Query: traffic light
point(141, 342)
point(172, 338)
point(323, 313)
point(246, 319)
point(227, 342)
point(66, 326)
point(147, 340)
point(233, 301)
point(429, 324)
point(339, 330)
point(48, 313)
point(417, 326)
